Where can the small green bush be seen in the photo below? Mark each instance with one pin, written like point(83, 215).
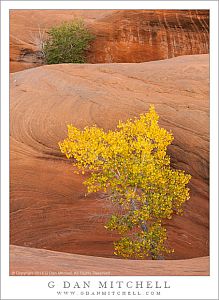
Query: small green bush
point(67, 43)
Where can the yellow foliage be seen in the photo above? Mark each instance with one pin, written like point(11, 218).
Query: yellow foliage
point(132, 166)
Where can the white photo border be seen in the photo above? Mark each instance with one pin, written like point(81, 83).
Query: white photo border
point(181, 287)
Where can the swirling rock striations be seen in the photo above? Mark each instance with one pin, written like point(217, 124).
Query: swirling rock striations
point(121, 35)
point(48, 204)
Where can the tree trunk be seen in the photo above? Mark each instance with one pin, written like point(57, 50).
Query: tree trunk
point(144, 227)
point(142, 223)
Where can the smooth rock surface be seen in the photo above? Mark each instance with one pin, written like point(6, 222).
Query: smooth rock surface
point(38, 262)
point(48, 204)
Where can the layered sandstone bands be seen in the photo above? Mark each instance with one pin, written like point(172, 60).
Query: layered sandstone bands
point(121, 35)
point(146, 35)
point(48, 206)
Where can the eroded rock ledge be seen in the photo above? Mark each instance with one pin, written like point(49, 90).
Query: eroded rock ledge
point(121, 35)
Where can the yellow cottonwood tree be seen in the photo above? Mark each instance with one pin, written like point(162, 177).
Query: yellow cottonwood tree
point(131, 165)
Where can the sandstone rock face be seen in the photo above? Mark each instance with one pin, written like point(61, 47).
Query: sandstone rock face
point(145, 35)
point(28, 26)
point(121, 35)
point(48, 204)
point(30, 261)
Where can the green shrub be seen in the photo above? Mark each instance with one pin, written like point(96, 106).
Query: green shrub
point(67, 43)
